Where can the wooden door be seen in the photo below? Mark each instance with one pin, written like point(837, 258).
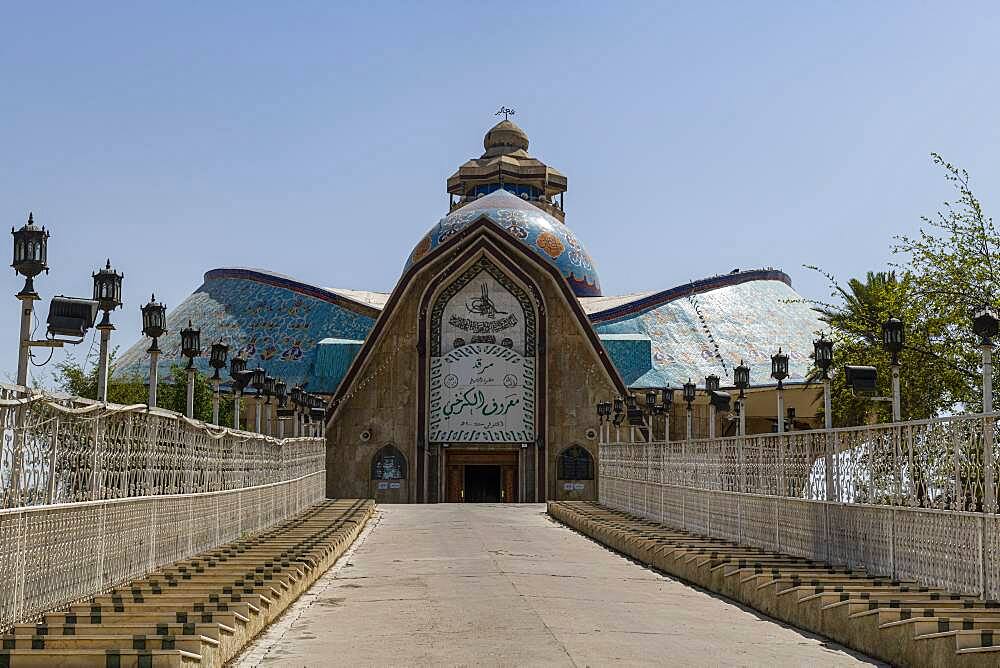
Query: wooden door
point(456, 481)
point(509, 484)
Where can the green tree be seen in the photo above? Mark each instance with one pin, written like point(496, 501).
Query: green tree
point(930, 382)
point(954, 261)
point(78, 380)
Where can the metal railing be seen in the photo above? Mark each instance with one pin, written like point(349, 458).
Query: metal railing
point(58, 449)
point(914, 500)
point(947, 463)
point(97, 494)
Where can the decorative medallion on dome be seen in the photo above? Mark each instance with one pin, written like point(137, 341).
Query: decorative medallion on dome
point(534, 228)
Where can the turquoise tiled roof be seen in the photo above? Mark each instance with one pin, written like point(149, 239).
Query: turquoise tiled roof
point(543, 234)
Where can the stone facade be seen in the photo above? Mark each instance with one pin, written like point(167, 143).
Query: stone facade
point(383, 400)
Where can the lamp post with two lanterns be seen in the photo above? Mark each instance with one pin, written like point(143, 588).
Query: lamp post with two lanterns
point(217, 360)
point(779, 371)
point(190, 348)
point(154, 325)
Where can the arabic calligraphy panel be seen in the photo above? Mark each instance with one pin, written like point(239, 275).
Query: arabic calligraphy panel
point(483, 311)
point(482, 393)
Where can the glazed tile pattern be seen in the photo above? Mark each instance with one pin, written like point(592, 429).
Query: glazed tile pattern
point(274, 326)
point(710, 332)
point(536, 229)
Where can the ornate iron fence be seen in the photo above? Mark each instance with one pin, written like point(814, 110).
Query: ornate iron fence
point(58, 449)
point(947, 463)
point(905, 499)
point(51, 556)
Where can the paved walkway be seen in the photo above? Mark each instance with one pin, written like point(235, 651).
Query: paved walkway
point(470, 584)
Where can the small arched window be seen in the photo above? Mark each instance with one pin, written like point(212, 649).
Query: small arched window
point(389, 464)
point(575, 463)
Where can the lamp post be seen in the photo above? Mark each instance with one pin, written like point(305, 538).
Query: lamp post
point(986, 325)
point(238, 372)
point(619, 409)
point(823, 357)
point(667, 402)
point(154, 325)
point(711, 385)
point(281, 393)
point(603, 416)
point(779, 371)
point(297, 403)
point(257, 377)
point(741, 379)
point(108, 295)
point(269, 382)
point(892, 339)
point(689, 390)
point(217, 360)
point(190, 348)
point(651, 410)
point(30, 259)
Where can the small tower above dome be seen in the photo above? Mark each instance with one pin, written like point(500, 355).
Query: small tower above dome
point(506, 165)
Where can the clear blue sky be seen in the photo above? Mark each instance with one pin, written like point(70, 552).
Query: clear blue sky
point(315, 140)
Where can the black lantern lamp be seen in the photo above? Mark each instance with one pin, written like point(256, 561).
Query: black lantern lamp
point(651, 400)
point(257, 377)
point(689, 390)
point(154, 320)
point(893, 337)
point(603, 410)
point(238, 372)
point(823, 353)
point(217, 358)
point(630, 401)
point(281, 393)
point(667, 397)
point(711, 383)
point(985, 325)
point(30, 254)
point(190, 343)
point(619, 405)
point(741, 378)
point(269, 382)
point(779, 367)
point(107, 292)
point(297, 395)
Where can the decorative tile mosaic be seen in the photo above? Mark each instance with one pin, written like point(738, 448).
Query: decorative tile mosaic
point(711, 332)
point(525, 222)
point(275, 327)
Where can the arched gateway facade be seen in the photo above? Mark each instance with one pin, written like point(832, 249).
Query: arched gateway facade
point(482, 370)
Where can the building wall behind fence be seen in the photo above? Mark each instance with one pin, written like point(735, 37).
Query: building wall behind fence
point(952, 550)
point(51, 556)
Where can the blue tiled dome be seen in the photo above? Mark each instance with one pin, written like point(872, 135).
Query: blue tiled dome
point(536, 229)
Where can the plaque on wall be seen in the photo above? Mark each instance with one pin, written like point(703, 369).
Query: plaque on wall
point(482, 368)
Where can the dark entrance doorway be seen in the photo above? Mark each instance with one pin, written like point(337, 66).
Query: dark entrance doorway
point(482, 483)
point(480, 476)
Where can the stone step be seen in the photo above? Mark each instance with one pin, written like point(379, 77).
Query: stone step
point(111, 639)
point(97, 658)
point(214, 630)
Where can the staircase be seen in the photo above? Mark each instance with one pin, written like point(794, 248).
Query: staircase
point(898, 622)
point(197, 612)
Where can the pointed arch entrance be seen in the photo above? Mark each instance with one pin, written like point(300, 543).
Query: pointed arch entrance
point(483, 411)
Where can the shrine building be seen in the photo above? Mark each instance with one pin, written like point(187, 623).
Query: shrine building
point(476, 377)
